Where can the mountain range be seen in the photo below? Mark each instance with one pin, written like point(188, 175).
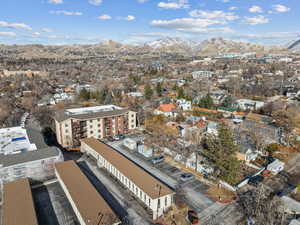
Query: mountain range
point(208, 47)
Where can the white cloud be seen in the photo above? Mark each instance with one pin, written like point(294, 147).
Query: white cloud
point(36, 34)
point(15, 25)
point(130, 17)
point(217, 14)
point(174, 4)
point(255, 9)
point(256, 20)
point(95, 2)
point(47, 30)
point(185, 23)
point(281, 8)
point(104, 17)
point(8, 34)
point(66, 13)
point(55, 1)
point(206, 30)
point(232, 8)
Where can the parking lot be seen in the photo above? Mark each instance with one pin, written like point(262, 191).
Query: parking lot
point(194, 190)
point(52, 206)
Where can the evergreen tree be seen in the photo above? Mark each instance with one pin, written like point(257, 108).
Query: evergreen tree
point(158, 89)
point(84, 95)
point(220, 152)
point(206, 102)
point(148, 92)
point(180, 92)
point(227, 102)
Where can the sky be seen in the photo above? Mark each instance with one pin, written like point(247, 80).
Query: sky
point(139, 21)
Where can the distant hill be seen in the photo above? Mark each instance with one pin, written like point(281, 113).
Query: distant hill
point(211, 46)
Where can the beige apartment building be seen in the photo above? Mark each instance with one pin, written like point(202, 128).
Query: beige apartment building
point(98, 122)
point(150, 192)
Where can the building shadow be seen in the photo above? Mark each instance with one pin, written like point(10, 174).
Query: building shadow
point(103, 191)
point(44, 209)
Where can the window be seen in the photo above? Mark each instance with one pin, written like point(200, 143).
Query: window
point(91, 121)
point(140, 194)
point(66, 125)
point(136, 190)
point(158, 203)
point(99, 124)
point(91, 126)
point(166, 201)
point(91, 132)
point(98, 120)
point(149, 202)
point(67, 131)
point(132, 121)
point(132, 115)
point(99, 131)
point(144, 197)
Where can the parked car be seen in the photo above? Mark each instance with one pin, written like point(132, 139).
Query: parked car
point(254, 181)
point(187, 177)
point(158, 159)
point(117, 138)
point(110, 139)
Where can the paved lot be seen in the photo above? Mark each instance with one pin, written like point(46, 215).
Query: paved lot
point(52, 206)
point(194, 191)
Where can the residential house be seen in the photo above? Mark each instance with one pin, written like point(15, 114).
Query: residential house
point(248, 104)
point(168, 110)
point(184, 104)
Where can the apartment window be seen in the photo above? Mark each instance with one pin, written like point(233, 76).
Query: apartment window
point(99, 131)
point(132, 121)
point(136, 191)
point(91, 126)
point(149, 202)
point(91, 132)
point(66, 125)
point(98, 120)
point(67, 131)
point(99, 124)
point(158, 203)
point(91, 121)
point(132, 115)
point(141, 194)
point(166, 201)
point(144, 197)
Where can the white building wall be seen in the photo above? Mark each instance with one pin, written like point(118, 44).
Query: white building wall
point(131, 120)
point(165, 201)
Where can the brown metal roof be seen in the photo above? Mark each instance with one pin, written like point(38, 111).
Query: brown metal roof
point(18, 207)
point(88, 201)
point(136, 174)
point(61, 115)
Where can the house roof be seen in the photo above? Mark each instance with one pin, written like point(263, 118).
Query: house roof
point(166, 107)
point(86, 198)
point(132, 171)
point(18, 207)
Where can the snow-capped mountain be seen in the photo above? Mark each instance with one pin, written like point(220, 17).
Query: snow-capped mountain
point(215, 45)
point(169, 42)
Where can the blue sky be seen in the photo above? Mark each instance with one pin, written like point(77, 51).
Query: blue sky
point(138, 21)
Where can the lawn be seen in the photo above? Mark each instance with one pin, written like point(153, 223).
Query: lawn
point(221, 194)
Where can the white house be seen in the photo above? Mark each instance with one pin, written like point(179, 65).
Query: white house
point(246, 104)
point(183, 104)
point(201, 74)
point(276, 166)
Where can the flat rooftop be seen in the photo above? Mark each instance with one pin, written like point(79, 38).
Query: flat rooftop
point(86, 113)
point(15, 146)
point(94, 109)
point(133, 172)
point(18, 206)
point(15, 140)
point(90, 204)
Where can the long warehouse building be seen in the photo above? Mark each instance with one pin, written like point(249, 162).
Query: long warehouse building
point(18, 206)
point(155, 195)
point(88, 205)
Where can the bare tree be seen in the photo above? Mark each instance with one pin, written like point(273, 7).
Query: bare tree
point(262, 206)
